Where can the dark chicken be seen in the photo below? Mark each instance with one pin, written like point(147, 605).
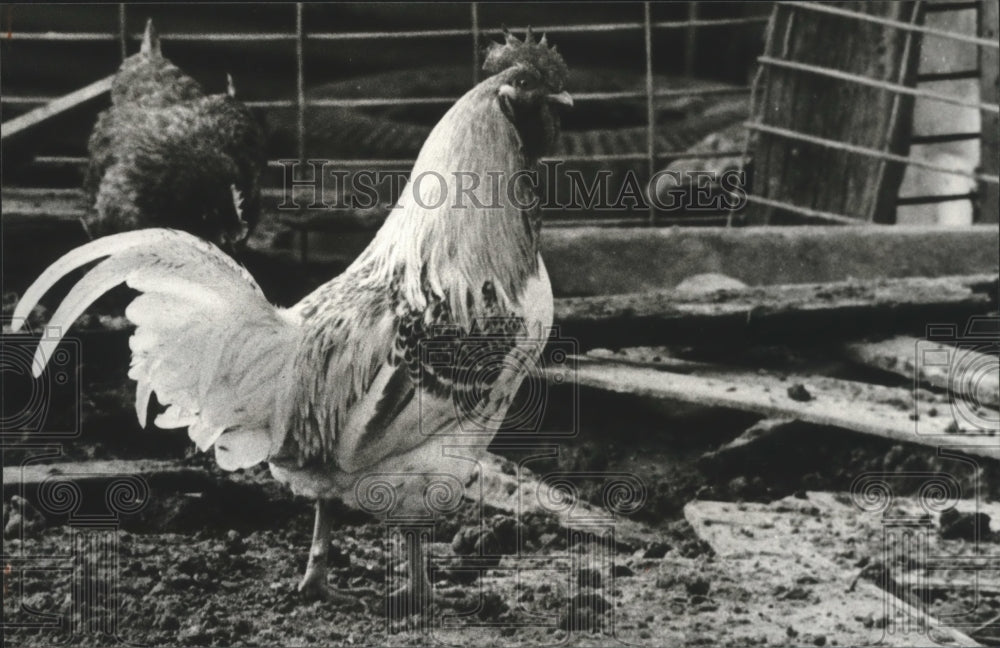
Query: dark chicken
point(336, 393)
point(166, 155)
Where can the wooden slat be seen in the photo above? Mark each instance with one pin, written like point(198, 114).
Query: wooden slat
point(158, 473)
point(790, 538)
point(519, 494)
point(883, 412)
point(806, 313)
point(40, 115)
point(901, 356)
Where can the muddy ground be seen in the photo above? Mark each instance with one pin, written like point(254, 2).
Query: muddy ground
point(218, 565)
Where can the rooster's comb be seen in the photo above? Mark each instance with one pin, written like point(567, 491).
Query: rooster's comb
point(538, 54)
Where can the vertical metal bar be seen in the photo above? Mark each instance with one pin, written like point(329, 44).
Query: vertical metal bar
point(300, 107)
point(122, 30)
point(690, 40)
point(475, 42)
point(989, 92)
point(650, 114)
point(300, 84)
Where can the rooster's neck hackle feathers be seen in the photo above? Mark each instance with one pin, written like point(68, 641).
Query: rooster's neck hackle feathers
point(546, 60)
point(444, 242)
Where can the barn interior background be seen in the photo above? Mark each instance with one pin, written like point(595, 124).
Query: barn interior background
point(767, 356)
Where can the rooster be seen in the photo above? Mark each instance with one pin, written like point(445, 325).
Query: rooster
point(336, 388)
point(166, 154)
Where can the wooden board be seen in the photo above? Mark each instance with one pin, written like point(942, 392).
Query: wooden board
point(803, 313)
point(799, 539)
point(21, 124)
point(821, 178)
point(880, 411)
point(899, 355)
point(25, 480)
point(521, 493)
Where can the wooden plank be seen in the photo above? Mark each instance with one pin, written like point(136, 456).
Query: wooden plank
point(806, 313)
point(884, 412)
point(900, 355)
point(817, 177)
point(499, 486)
point(506, 490)
point(989, 92)
point(790, 537)
point(32, 119)
point(169, 475)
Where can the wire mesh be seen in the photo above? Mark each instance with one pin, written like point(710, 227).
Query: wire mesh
point(652, 156)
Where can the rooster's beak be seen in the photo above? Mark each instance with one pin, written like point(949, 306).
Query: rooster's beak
point(563, 98)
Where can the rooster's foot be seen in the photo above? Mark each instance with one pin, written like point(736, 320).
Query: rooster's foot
point(313, 587)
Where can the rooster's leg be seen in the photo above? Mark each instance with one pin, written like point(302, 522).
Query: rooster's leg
point(415, 596)
point(314, 581)
point(313, 584)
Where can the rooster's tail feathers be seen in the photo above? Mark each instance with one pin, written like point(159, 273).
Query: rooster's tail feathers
point(206, 340)
point(169, 262)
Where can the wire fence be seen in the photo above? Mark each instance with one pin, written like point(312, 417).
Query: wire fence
point(652, 156)
point(301, 102)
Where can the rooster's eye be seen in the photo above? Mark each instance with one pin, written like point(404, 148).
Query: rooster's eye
point(524, 83)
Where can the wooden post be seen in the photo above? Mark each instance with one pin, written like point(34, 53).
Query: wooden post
point(813, 176)
point(989, 92)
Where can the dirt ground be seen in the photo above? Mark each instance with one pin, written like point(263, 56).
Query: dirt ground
point(232, 582)
point(218, 565)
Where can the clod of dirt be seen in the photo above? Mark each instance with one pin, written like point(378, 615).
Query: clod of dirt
point(698, 587)
point(489, 606)
point(656, 550)
point(464, 542)
point(242, 627)
point(796, 594)
point(585, 610)
point(588, 578)
point(498, 538)
point(622, 571)
point(798, 392)
point(20, 516)
point(235, 545)
point(956, 525)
